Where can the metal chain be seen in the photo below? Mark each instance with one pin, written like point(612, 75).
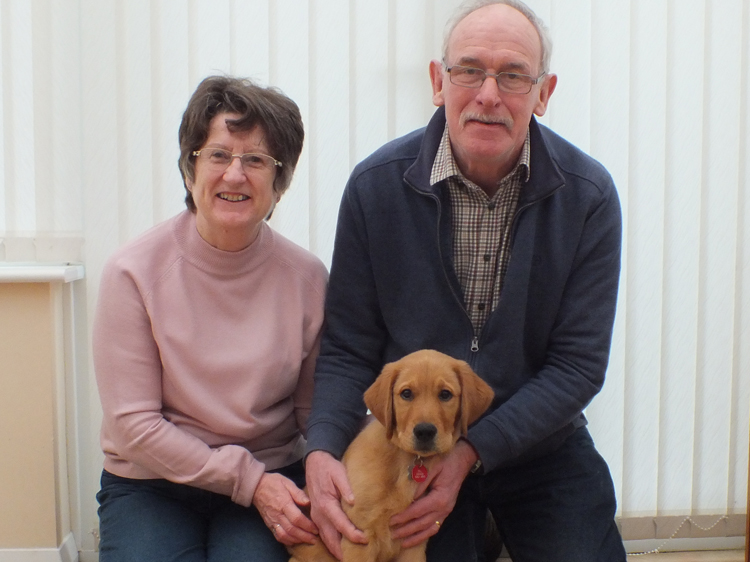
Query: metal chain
point(657, 550)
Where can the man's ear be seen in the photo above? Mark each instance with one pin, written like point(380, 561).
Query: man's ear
point(436, 77)
point(546, 90)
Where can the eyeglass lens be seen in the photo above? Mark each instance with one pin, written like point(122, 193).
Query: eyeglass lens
point(507, 81)
point(221, 158)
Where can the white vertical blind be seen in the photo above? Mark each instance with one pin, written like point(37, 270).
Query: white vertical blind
point(645, 224)
point(291, 70)
point(682, 203)
point(328, 140)
point(92, 92)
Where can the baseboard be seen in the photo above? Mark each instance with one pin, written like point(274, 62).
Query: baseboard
point(685, 545)
point(67, 552)
point(674, 545)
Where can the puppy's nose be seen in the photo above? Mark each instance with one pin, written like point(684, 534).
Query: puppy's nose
point(425, 432)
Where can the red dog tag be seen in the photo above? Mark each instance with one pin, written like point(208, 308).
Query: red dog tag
point(419, 473)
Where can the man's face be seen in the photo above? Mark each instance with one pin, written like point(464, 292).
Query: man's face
point(488, 126)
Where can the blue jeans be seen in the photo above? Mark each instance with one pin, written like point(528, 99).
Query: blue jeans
point(160, 521)
point(557, 508)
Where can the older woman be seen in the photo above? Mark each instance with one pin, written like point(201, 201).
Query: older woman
point(205, 340)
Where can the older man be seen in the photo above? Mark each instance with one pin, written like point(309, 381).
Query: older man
point(490, 238)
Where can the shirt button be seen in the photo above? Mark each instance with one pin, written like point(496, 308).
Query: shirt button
point(480, 306)
point(487, 257)
point(491, 206)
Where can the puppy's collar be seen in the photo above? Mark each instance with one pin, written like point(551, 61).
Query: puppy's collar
point(417, 470)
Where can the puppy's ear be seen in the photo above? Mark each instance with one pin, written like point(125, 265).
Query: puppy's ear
point(476, 396)
point(379, 397)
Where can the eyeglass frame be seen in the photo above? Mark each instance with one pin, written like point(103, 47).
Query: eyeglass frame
point(276, 163)
point(533, 82)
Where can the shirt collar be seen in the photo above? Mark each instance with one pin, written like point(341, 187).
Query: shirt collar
point(444, 165)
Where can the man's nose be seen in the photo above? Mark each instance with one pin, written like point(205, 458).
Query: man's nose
point(489, 92)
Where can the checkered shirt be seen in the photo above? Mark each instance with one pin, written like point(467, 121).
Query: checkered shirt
point(481, 228)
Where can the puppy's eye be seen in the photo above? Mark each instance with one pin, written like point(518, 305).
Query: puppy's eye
point(407, 394)
point(445, 395)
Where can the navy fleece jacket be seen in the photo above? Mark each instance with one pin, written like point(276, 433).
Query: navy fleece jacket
point(393, 290)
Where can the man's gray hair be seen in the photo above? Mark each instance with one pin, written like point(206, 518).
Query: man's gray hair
point(470, 6)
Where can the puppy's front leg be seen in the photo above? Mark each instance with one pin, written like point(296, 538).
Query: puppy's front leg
point(413, 554)
point(353, 552)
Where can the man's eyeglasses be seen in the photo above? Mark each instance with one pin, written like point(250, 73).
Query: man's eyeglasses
point(252, 162)
point(510, 82)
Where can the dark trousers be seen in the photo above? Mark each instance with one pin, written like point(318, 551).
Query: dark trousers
point(557, 508)
point(160, 521)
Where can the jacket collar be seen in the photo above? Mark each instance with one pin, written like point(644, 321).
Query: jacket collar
point(545, 175)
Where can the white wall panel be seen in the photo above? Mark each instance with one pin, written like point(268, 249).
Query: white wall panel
point(411, 51)
point(4, 84)
point(135, 149)
point(684, 148)
point(645, 226)
point(290, 22)
point(738, 457)
point(718, 253)
point(20, 160)
point(41, 117)
point(64, 125)
point(570, 25)
point(610, 63)
point(171, 88)
point(101, 134)
point(250, 39)
point(209, 38)
point(328, 123)
point(92, 93)
point(368, 128)
point(101, 213)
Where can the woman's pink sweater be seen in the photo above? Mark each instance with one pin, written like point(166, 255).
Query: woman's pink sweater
point(204, 359)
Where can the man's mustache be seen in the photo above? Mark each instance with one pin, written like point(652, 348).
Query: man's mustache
point(490, 119)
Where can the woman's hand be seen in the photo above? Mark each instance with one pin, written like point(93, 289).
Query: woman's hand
point(278, 500)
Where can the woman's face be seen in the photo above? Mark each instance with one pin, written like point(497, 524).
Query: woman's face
point(231, 202)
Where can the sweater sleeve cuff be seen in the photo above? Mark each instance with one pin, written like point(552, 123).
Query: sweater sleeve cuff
point(245, 489)
point(325, 436)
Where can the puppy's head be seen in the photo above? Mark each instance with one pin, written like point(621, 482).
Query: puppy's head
point(427, 400)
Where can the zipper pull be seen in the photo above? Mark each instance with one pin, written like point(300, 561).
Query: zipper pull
point(475, 344)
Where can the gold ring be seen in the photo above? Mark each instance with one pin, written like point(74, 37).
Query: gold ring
point(274, 528)
point(437, 523)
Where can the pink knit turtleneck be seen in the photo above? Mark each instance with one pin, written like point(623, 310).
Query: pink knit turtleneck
point(204, 358)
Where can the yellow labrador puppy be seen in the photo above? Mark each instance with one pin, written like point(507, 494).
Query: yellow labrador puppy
point(422, 404)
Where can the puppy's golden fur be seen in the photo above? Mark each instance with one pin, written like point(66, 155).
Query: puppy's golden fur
point(422, 404)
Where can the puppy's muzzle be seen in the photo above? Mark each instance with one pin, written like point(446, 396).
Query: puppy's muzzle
point(424, 436)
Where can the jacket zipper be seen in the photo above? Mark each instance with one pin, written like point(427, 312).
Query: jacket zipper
point(475, 339)
point(475, 336)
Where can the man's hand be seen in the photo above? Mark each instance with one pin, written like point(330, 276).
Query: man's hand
point(278, 500)
point(419, 521)
point(328, 485)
